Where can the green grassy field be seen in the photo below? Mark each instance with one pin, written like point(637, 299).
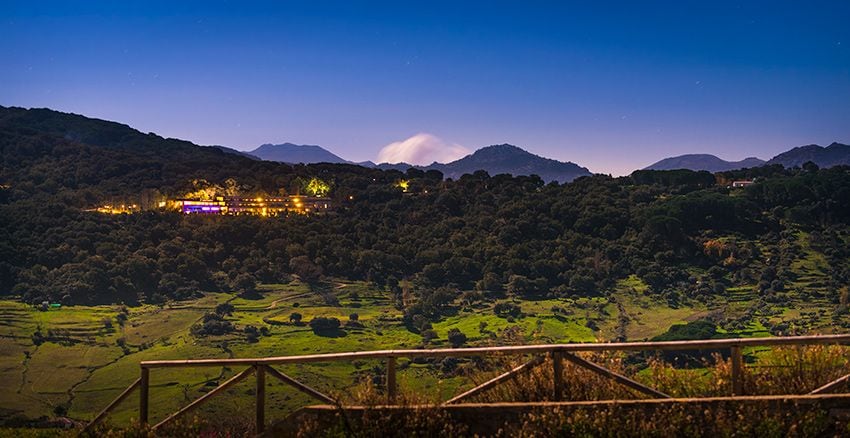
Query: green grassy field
point(90, 358)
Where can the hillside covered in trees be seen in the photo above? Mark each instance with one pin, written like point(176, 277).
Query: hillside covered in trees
point(685, 234)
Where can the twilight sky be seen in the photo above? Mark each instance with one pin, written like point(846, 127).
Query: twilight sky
point(612, 85)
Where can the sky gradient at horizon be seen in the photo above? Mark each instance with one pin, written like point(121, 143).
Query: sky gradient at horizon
point(613, 86)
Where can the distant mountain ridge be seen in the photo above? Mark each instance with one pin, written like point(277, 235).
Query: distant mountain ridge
point(494, 159)
point(506, 158)
point(835, 154)
point(232, 151)
point(707, 162)
point(503, 158)
point(295, 153)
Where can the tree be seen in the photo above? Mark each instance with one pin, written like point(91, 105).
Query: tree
point(456, 337)
point(224, 309)
point(324, 326)
point(252, 334)
point(490, 284)
point(305, 269)
point(428, 336)
point(506, 309)
point(245, 283)
point(295, 318)
point(212, 325)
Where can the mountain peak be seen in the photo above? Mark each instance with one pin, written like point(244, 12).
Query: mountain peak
point(507, 158)
point(504, 147)
point(295, 153)
point(833, 155)
point(706, 162)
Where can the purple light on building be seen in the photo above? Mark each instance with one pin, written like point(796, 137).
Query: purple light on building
point(201, 209)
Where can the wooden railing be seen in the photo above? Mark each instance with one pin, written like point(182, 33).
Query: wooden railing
point(558, 352)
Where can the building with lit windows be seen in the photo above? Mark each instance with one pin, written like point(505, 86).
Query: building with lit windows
point(258, 206)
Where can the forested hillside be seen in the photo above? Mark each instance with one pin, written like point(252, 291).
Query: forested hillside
point(685, 234)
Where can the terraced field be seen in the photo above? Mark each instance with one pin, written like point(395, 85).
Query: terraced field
point(77, 359)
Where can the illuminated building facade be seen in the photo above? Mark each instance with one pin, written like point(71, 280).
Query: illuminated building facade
point(259, 206)
point(116, 209)
point(189, 206)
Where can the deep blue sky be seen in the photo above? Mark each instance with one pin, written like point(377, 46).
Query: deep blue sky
point(613, 86)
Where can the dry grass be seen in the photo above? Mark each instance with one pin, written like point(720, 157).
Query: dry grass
point(791, 370)
point(677, 421)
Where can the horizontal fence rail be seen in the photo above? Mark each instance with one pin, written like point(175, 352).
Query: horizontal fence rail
point(513, 349)
point(559, 353)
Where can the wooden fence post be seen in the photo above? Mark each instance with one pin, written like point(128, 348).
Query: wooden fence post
point(558, 375)
point(737, 371)
point(261, 397)
point(144, 385)
point(391, 383)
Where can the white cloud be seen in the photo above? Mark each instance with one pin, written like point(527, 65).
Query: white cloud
point(422, 148)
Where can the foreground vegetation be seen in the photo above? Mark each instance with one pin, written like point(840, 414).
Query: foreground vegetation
point(73, 360)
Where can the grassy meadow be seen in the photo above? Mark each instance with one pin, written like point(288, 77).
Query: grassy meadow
point(72, 361)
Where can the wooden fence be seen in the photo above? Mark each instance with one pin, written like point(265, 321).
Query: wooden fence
point(261, 367)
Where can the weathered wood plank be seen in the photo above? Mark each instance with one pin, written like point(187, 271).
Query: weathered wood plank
point(637, 386)
point(300, 386)
point(514, 349)
point(557, 375)
point(486, 419)
point(831, 385)
point(261, 398)
point(230, 382)
point(495, 381)
point(737, 371)
point(391, 380)
point(124, 394)
point(144, 389)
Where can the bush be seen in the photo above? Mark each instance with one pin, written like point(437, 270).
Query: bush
point(224, 309)
point(323, 325)
point(696, 330)
point(212, 325)
point(252, 334)
point(505, 310)
point(456, 337)
point(295, 318)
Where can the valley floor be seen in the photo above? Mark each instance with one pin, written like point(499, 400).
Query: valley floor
point(87, 358)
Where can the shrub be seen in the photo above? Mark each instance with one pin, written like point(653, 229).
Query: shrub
point(295, 318)
point(212, 325)
point(252, 334)
point(224, 309)
point(323, 325)
point(456, 337)
point(505, 310)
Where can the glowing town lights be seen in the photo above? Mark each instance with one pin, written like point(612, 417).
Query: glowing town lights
point(231, 205)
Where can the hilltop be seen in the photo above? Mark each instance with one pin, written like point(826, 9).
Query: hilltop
point(836, 154)
point(506, 158)
point(294, 153)
point(706, 162)
point(502, 159)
